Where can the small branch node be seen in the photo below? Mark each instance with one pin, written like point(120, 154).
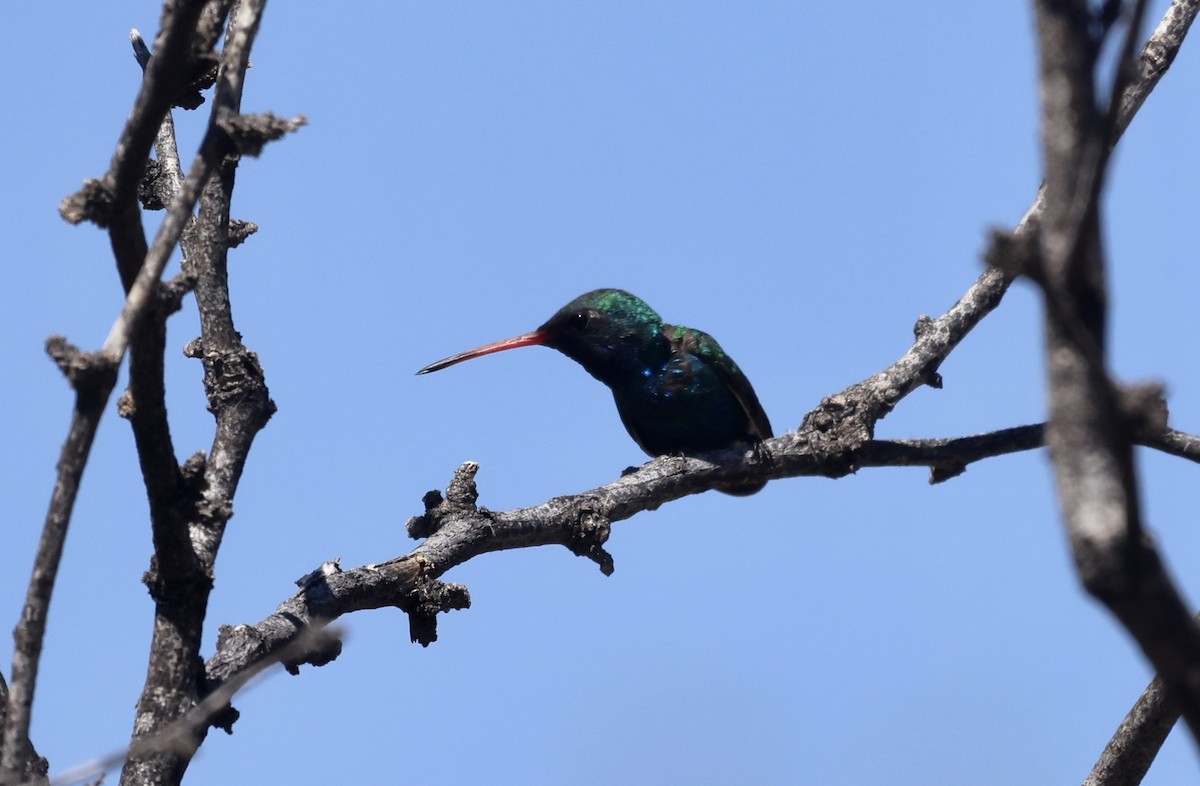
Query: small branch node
point(429, 522)
point(94, 202)
point(460, 498)
point(939, 473)
point(1015, 253)
point(251, 133)
point(327, 568)
point(321, 646)
point(462, 490)
point(234, 377)
point(193, 469)
point(243, 638)
point(139, 46)
point(225, 718)
point(587, 537)
point(1144, 407)
point(171, 293)
point(827, 415)
point(423, 604)
point(431, 500)
point(205, 68)
point(836, 429)
point(87, 372)
point(238, 232)
point(126, 406)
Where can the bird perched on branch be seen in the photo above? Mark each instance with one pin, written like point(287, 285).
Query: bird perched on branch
point(676, 390)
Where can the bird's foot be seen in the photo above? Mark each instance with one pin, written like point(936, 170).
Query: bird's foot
point(761, 454)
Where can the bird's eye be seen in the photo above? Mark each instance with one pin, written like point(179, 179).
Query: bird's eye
point(579, 320)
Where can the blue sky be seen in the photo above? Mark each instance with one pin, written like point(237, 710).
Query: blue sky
point(800, 180)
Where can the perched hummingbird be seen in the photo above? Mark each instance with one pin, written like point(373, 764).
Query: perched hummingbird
point(676, 389)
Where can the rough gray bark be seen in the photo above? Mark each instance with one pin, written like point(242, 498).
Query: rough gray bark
point(1092, 426)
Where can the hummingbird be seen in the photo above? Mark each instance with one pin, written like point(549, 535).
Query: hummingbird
point(676, 390)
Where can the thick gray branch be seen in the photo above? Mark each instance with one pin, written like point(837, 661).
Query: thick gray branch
point(1090, 432)
point(186, 542)
point(112, 203)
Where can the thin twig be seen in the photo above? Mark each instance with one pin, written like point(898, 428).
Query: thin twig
point(948, 458)
point(165, 147)
point(1128, 755)
point(1176, 443)
point(93, 378)
point(1154, 60)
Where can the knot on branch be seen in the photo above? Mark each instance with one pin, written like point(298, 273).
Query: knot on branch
point(587, 536)
point(249, 134)
point(1156, 58)
point(424, 602)
point(946, 470)
point(318, 576)
point(203, 65)
point(204, 68)
point(192, 471)
point(94, 202)
point(1016, 253)
point(1143, 408)
point(237, 232)
point(214, 513)
point(29, 768)
point(244, 643)
point(835, 430)
point(460, 498)
point(929, 328)
point(179, 588)
point(171, 293)
point(126, 407)
point(316, 647)
point(462, 491)
point(224, 718)
point(234, 377)
point(90, 373)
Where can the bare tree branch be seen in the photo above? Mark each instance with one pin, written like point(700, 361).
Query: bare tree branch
point(93, 376)
point(112, 202)
point(186, 540)
point(1156, 57)
point(948, 458)
point(1089, 433)
point(1134, 746)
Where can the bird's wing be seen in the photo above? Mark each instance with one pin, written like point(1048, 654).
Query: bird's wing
point(706, 348)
